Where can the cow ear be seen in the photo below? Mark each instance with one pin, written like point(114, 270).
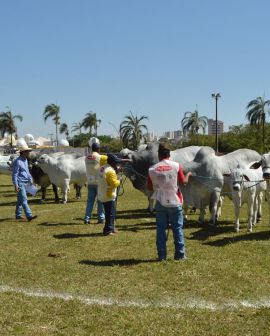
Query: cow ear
point(227, 174)
point(256, 165)
point(246, 177)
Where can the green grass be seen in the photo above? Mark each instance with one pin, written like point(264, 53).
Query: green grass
point(57, 253)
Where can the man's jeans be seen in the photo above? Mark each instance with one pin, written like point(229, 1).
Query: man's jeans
point(92, 194)
point(164, 217)
point(22, 202)
point(110, 210)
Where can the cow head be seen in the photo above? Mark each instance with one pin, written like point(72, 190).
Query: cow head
point(237, 178)
point(265, 164)
point(43, 159)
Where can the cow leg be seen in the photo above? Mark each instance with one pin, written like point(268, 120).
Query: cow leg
point(237, 205)
point(55, 191)
point(267, 194)
point(78, 191)
point(213, 207)
point(43, 195)
point(202, 215)
point(259, 207)
point(150, 205)
point(219, 206)
point(250, 204)
point(65, 190)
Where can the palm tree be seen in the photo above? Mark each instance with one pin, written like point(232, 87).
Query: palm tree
point(90, 121)
point(77, 127)
point(64, 129)
point(7, 123)
point(256, 114)
point(53, 111)
point(131, 130)
point(193, 122)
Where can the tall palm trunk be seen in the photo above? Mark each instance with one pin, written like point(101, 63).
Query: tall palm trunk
point(56, 133)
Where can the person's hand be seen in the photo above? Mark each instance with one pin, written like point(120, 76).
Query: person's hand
point(17, 189)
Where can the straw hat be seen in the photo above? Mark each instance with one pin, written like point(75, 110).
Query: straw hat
point(24, 148)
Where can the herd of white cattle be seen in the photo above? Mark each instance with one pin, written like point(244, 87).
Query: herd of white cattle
point(243, 176)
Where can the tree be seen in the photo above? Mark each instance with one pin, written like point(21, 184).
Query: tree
point(53, 111)
point(131, 130)
point(77, 127)
point(7, 123)
point(90, 121)
point(193, 122)
point(256, 115)
point(64, 129)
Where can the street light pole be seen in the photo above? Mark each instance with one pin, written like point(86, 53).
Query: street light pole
point(216, 96)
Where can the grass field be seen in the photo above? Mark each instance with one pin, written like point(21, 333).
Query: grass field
point(61, 277)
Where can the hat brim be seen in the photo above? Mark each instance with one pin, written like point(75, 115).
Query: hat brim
point(25, 150)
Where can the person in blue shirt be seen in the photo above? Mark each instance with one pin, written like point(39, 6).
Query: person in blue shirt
point(20, 178)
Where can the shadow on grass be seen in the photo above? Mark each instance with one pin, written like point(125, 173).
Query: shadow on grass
point(8, 203)
point(58, 224)
point(138, 227)
point(6, 219)
point(263, 235)
point(208, 231)
point(77, 235)
point(119, 262)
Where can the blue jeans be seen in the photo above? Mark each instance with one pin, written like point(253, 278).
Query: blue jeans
point(109, 217)
point(92, 194)
point(22, 202)
point(173, 216)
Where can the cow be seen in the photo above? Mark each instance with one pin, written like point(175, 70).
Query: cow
point(64, 170)
point(5, 168)
point(247, 186)
point(264, 164)
point(142, 160)
point(207, 183)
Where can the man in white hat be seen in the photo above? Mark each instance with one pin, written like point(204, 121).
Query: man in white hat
point(20, 178)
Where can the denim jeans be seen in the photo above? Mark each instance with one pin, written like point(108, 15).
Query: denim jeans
point(92, 194)
point(109, 208)
point(22, 202)
point(173, 216)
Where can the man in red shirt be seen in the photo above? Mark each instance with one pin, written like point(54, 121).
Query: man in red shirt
point(163, 180)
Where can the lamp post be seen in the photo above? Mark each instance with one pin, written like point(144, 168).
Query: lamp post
point(216, 96)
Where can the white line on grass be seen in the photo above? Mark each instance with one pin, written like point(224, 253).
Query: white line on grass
point(168, 303)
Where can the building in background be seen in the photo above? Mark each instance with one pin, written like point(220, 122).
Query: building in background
point(151, 137)
point(212, 127)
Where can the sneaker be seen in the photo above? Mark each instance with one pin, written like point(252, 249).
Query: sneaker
point(86, 221)
point(110, 233)
point(21, 217)
point(180, 258)
point(31, 218)
point(101, 221)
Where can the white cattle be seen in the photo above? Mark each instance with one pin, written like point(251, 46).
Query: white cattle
point(5, 164)
point(264, 164)
point(247, 186)
point(143, 159)
point(207, 183)
point(64, 170)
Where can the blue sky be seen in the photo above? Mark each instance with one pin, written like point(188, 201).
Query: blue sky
point(158, 58)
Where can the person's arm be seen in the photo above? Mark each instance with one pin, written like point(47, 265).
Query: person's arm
point(15, 171)
point(182, 178)
point(30, 178)
point(149, 184)
point(112, 180)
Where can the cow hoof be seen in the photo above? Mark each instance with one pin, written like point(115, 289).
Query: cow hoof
point(236, 229)
point(259, 219)
point(249, 230)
